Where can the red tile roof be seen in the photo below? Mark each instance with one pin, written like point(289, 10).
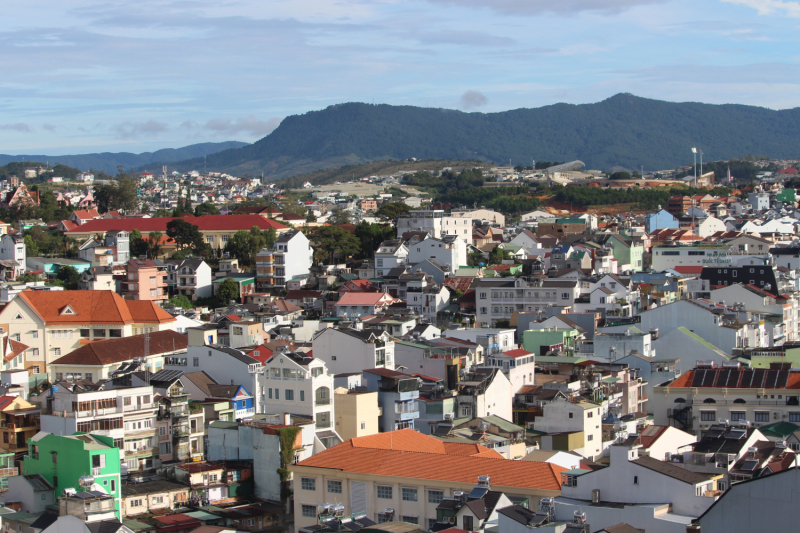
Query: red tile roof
point(85, 214)
point(14, 348)
point(516, 353)
point(204, 223)
point(261, 354)
point(363, 298)
point(233, 318)
point(113, 351)
point(406, 453)
point(5, 401)
point(686, 269)
point(459, 284)
point(92, 307)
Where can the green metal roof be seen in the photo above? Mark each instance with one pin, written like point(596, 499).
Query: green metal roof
point(576, 472)
point(135, 525)
point(502, 423)
point(559, 359)
point(779, 429)
point(224, 424)
point(701, 340)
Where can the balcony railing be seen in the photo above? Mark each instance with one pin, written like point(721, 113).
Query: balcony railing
point(141, 451)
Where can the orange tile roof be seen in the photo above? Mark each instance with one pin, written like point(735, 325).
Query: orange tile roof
point(14, 348)
point(406, 453)
point(91, 307)
point(148, 312)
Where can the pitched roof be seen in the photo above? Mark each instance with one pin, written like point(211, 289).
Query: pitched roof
point(516, 353)
point(91, 307)
point(201, 380)
point(204, 223)
point(406, 453)
point(670, 470)
point(112, 351)
point(13, 348)
point(362, 298)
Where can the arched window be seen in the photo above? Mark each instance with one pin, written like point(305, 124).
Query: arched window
point(680, 400)
point(709, 400)
point(739, 400)
point(322, 396)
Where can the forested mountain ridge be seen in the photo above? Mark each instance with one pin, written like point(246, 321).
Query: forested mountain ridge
point(108, 161)
point(623, 130)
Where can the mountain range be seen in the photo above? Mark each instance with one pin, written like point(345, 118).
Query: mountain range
point(108, 161)
point(622, 131)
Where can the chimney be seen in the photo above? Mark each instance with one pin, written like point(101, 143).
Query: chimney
point(287, 419)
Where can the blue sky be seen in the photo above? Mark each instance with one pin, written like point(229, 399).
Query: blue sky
point(81, 76)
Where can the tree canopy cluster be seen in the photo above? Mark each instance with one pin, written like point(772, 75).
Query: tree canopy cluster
point(645, 198)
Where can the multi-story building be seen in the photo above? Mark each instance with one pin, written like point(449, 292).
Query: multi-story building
point(356, 413)
point(98, 279)
point(450, 252)
point(54, 323)
point(390, 254)
point(499, 299)
point(63, 459)
point(352, 349)
point(125, 415)
point(436, 224)
point(425, 297)
point(290, 256)
point(145, 279)
point(298, 384)
point(216, 229)
point(18, 423)
point(417, 474)
point(113, 357)
point(517, 365)
point(12, 247)
point(582, 419)
point(700, 397)
point(193, 279)
point(397, 396)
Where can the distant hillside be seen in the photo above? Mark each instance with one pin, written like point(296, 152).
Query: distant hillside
point(624, 130)
point(109, 161)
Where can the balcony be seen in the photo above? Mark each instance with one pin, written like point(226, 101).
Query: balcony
point(242, 413)
point(131, 407)
point(97, 471)
point(144, 432)
point(141, 451)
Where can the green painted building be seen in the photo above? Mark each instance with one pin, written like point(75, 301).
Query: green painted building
point(542, 341)
point(63, 460)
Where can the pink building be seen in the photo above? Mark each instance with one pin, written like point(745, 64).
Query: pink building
point(145, 279)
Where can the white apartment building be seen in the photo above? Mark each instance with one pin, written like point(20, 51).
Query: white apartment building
point(517, 365)
point(128, 415)
point(564, 416)
point(353, 350)
point(193, 279)
point(450, 252)
point(499, 299)
point(390, 254)
point(786, 312)
point(13, 247)
point(436, 224)
point(708, 255)
point(300, 385)
point(290, 256)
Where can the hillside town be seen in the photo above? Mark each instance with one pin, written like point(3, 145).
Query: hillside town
point(218, 354)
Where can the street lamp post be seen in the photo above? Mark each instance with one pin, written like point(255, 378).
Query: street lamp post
point(694, 151)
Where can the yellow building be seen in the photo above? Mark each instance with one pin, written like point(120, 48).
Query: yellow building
point(19, 421)
point(54, 323)
point(410, 473)
point(356, 413)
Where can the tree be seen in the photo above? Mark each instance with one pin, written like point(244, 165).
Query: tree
point(331, 241)
point(311, 217)
point(28, 278)
point(181, 301)
point(185, 234)
point(154, 244)
point(293, 208)
point(245, 245)
point(137, 244)
point(620, 175)
point(122, 194)
point(228, 290)
point(31, 248)
point(370, 236)
point(339, 216)
point(391, 211)
point(206, 208)
point(69, 277)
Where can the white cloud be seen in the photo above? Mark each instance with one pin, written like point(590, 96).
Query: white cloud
point(472, 100)
point(134, 130)
point(249, 125)
point(770, 7)
point(18, 126)
point(537, 7)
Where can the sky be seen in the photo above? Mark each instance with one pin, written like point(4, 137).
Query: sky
point(81, 76)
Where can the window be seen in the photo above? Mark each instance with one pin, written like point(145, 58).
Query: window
point(289, 395)
point(794, 417)
point(35, 352)
point(115, 333)
point(196, 361)
point(35, 334)
point(383, 518)
point(35, 368)
point(88, 376)
point(740, 415)
point(385, 492)
point(708, 416)
point(335, 487)
point(57, 352)
point(435, 496)
point(570, 415)
point(309, 511)
point(303, 396)
point(467, 521)
point(409, 495)
point(363, 425)
point(431, 523)
point(410, 519)
point(277, 394)
point(308, 483)
point(635, 480)
point(589, 415)
point(762, 416)
point(99, 333)
point(59, 376)
point(158, 499)
point(590, 438)
point(126, 400)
